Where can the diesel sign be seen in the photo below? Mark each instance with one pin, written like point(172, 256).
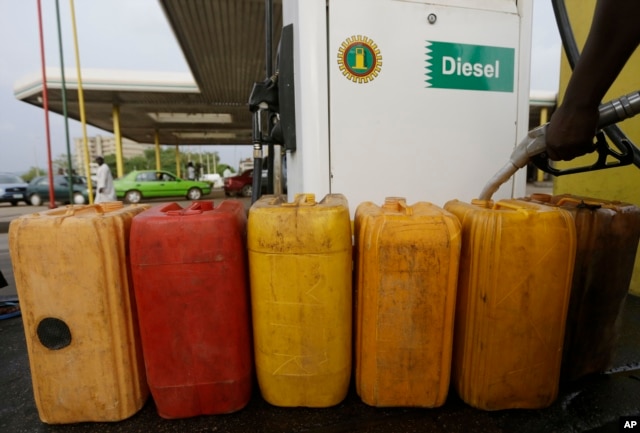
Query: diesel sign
point(469, 67)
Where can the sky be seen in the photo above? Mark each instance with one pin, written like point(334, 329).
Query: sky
point(134, 35)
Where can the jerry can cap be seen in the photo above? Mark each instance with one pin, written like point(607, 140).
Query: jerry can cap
point(397, 204)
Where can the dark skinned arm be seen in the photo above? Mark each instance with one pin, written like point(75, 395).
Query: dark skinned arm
point(613, 37)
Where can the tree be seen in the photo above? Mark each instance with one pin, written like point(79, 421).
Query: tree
point(33, 172)
point(61, 163)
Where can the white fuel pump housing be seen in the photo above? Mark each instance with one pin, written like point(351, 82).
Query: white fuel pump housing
point(412, 98)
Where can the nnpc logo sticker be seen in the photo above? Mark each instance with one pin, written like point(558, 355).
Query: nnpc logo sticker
point(359, 59)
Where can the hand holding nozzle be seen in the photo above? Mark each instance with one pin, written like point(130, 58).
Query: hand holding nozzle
point(535, 143)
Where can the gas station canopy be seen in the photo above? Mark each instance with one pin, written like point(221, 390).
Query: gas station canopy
point(224, 45)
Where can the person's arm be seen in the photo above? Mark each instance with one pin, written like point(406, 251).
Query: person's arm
point(614, 35)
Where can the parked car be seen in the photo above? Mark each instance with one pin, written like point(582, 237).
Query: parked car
point(243, 183)
point(38, 190)
point(138, 185)
point(214, 179)
point(12, 189)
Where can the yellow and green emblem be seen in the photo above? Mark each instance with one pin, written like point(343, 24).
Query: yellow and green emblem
point(359, 59)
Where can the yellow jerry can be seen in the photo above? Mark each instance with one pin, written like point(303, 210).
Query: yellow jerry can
point(72, 276)
point(515, 276)
point(300, 271)
point(407, 261)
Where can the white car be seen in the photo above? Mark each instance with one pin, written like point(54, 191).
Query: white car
point(12, 189)
point(214, 179)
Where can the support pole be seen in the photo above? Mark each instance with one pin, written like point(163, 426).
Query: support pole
point(157, 147)
point(178, 161)
point(45, 105)
point(83, 117)
point(64, 106)
point(118, 137)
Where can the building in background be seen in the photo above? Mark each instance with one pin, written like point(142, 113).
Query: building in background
point(101, 145)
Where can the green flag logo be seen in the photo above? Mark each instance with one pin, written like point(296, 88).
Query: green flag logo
point(469, 67)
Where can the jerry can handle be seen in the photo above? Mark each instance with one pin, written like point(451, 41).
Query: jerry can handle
point(195, 208)
point(99, 208)
point(589, 204)
point(540, 197)
point(512, 206)
point(302, 199)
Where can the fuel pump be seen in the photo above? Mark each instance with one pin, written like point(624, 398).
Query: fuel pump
point(273, 100)
point(263, 98)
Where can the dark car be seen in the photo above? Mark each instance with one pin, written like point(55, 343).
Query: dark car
point(243, 183)
point(12, 189)
point(38, 190)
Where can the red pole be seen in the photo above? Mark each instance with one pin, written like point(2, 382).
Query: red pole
point(45, 106)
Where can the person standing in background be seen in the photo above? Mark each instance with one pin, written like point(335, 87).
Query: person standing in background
point(191, 171)
point(105, 189)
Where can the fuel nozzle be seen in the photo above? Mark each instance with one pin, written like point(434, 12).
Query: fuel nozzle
point(534, 145)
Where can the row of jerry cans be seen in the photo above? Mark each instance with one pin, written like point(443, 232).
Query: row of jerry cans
point(481, 289)
point(537, 291)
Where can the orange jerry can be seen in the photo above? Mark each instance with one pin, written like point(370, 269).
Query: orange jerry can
point(191, 286)
point(301, 298)
point(407, 261)
point(72, 274)
point(514, 285)
point(607, 235)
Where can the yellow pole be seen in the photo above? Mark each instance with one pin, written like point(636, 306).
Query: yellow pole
point(157, 140)
point(83, 119)
point(116, 131)
point(544, 115)
point(178, 161)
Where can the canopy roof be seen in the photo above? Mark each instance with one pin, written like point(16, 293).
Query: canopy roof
point(223, 42)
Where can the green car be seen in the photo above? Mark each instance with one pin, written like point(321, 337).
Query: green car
point(137, 185)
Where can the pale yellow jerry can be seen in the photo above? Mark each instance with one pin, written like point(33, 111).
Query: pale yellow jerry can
point(406, 260)
point(72, 276)
point(300, 272)
point(514, 286)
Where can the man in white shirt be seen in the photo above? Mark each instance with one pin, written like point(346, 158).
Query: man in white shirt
point(105, 190)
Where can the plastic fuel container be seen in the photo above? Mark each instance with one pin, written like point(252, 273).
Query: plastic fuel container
point(191, 285)
point(407, 261)
point(300, 270)
point(78, 310)
point(514, 285)
point(607, 235)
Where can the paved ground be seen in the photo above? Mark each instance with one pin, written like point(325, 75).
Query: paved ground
point(592, 405)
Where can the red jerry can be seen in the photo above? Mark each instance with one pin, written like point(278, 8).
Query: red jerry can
point(190, 280)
